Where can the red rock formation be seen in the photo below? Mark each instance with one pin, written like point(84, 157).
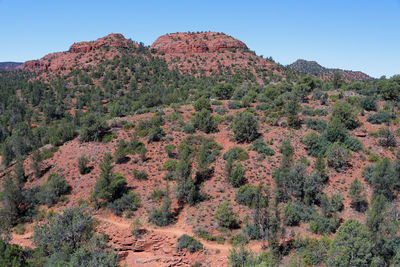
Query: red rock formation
point(176, 43)
point(111, 40)
point(81, 54)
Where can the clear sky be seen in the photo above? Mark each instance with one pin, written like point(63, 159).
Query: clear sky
point(350, 34)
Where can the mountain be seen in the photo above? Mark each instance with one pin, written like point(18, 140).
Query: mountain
point(313, 68)
point(10, 65)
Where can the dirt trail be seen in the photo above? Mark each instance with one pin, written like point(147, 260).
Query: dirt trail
point(169, 231)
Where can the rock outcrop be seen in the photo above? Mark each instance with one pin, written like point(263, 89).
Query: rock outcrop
point(111, 40)
point(81, 54)
point(206, 42)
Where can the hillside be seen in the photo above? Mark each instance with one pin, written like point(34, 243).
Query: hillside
point(8, 66)
point(313, 68)
point(195, 152)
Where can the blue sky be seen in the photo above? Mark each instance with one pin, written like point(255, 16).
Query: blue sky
point(350, 34)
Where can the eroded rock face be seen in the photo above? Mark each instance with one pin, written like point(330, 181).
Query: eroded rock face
point(111, 40)
point(178, 43)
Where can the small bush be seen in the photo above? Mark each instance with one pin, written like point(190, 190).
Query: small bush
point(202, 103)
point(157, 194)
point(379, 118)
point(82, 165)
point(353, 143)
point(204, 121)
point(338, 157)
point(170, 150)
point(245, 127)
point(236, 153)
point(53, 189)
point(189, 243)
point(262, 148)
point(189, 128)
point(234, 105)
point(225, 216)
point(221, 111)
point(236, 178)
point(317, 125)
point(246, 194)
point(139, 175)
point(322, 225)
point(170, 165)
point(291, 214)
point(369, 103)
point(128, 202)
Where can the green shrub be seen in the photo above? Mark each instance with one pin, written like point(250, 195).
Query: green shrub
point(139, 175)
point(331, 205)
point(260, 147)
point(236, 153)
point(317, 125)
point(353, 143)
point(246, 194)
point(379, 118)
point(189, 128)
point(238, 239)
point(337, 156)
point(221, 111)
point(92, 127)
point(322, 225)
point(358, 197)
point(82, 165)
point(204, 121)
point(170, 165)
point(314, 143)
point(369, 103)
point(109, 186)
point(236, 178)
point(345, 113)
point(252, 231)
point(12, 255)
point(335, 131)
point(225, 216)
point(245, 127)
point(157, 194)
point(202, 103)
point(121, 152)
point(55, 187)
point(234, 105)
point(189, 243)
point(128, 202)
point(263, 106)
point(223, 91)
point(387, 138)
point(170, 150)
point(291, 214)
point(367, 173)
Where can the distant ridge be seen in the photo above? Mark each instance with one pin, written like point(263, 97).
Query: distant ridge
point(10, 65)
point(313, 68)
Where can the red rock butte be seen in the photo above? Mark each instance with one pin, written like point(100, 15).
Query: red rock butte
point(78, 53)
point(179, 43)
